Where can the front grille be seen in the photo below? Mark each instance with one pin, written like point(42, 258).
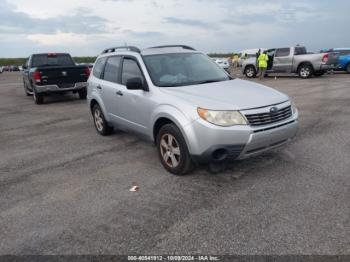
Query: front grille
point(269, 118)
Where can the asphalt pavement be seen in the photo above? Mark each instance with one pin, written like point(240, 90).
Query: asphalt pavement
point(65, 190)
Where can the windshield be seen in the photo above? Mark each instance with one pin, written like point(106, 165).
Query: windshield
point(181, 69)
point(52, 60)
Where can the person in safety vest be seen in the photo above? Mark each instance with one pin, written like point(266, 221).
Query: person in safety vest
point(262, 63)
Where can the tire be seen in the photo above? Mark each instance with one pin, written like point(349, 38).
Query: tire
point(348, 68)
point(82, 94)
point(250, 71)
point(319, 73)
point(26, 89)
point(101, 125)
point(38, 98)
point(305, 71)
point(172, 150)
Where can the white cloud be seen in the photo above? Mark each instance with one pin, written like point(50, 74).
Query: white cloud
point(86, 27)
point(63, 39)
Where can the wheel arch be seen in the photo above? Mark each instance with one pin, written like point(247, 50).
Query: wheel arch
point(96, 100)
point(305, 63)
point(169, 114)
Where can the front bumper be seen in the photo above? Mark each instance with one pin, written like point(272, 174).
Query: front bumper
point(55, 88)
point(212, 143)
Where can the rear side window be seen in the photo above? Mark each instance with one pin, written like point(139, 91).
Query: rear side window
point(130, 70)
point(282, 52)
point(300, 51)
point(52, 60)
point(112, 67)
point(98, 68)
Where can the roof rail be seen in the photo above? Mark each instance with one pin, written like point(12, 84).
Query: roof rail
point(128, 48)
point(182, 46)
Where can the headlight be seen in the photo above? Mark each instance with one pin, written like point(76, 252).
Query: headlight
point(222, 118)
point(294, 108)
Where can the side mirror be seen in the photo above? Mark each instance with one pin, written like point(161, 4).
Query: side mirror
point(136, 84)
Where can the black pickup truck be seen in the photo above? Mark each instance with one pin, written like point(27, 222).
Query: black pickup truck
point(53, 73)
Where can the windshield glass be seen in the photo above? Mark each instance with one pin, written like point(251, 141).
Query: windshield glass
point(52, 60)
point(181, 69)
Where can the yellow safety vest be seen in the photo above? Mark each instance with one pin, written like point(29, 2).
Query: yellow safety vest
point(263, 58)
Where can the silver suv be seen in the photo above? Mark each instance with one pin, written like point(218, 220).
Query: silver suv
point(188, 106)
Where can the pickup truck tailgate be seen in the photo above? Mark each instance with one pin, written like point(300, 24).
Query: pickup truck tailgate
point(63, 77)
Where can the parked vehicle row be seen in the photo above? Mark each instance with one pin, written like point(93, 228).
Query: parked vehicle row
point(192, 110)
point(53, 73)
point(294, 59)
point(222, 62)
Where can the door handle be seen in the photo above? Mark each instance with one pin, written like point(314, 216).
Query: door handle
point(119, 93)
point(99, 87)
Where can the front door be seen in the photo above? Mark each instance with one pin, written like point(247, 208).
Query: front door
point(134, 107)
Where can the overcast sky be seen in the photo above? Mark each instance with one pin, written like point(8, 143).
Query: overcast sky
point(86, 27)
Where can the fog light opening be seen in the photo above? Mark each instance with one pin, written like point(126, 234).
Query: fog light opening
point(219, 155)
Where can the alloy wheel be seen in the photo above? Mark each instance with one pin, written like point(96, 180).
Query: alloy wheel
point(98, 120)
point(170, 150)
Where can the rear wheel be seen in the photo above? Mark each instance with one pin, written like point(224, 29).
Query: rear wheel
point(173, 151)
point(305, 71)
point(250, 71)
point(82, 94)
point(100, 122)
point(38, 98)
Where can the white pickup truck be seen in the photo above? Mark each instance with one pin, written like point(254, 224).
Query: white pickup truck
point(294, 60)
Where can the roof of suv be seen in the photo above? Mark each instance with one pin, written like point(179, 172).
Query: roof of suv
point(151, 50)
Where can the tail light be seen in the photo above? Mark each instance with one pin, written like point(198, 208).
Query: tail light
point(37, 77)
point(87, 71)
point(325, 58)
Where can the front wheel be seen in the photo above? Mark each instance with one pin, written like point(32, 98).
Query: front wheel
point(173, 151)
point(250, 71)
point(348, 69)
point(100, 122)
point(305, 71)
point(26, 89)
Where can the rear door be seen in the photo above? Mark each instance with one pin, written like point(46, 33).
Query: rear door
point(109, 86)
point(283, 60)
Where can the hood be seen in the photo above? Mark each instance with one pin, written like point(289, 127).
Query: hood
point(235, 94)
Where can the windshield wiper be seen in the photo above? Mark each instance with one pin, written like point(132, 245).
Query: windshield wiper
point(211, 81)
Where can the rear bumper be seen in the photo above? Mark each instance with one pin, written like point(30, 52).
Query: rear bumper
point(326, 67)
point(56, 89)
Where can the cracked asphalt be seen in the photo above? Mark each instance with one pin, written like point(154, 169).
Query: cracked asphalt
point(65, 190)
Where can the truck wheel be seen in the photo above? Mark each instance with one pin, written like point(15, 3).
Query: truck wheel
point(82, 94)
point(38, 98)
point(348, 69)
point(305, 71)
point(100, 122)
point(26, 89)
point(250, 71)
point(173, 151)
